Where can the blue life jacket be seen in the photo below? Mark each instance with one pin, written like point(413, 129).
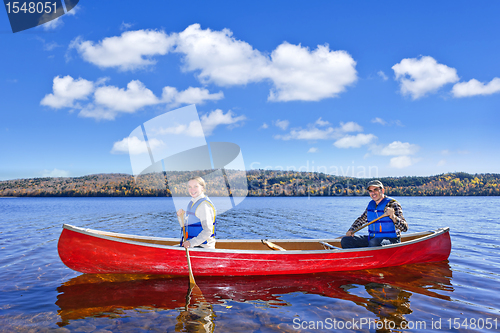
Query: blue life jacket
point(383, 227)
point(193, 224)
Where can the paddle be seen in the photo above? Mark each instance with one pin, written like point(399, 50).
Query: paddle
point(272, 245)
point(194, 290)
point(192, 282)
point(364, 226)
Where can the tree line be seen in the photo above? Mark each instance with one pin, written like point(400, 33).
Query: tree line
point(258, 183)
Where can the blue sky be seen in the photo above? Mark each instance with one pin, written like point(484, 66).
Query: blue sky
point(364, 89)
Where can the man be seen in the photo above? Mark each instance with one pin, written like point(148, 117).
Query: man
point(385, 231)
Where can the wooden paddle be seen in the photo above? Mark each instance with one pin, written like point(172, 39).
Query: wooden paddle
point(364, 226)
point(194, 291)
point(192, 282)
point(272, 245)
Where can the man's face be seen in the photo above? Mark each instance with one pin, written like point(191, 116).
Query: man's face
point(376, 193)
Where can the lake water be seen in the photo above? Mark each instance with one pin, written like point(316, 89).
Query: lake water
point(39, 294)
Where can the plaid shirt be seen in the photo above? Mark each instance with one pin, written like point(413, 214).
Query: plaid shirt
point(400, 224)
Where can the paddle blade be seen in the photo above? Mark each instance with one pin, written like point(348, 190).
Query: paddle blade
point(192, 282)
point(195, 294)
point(198, 314)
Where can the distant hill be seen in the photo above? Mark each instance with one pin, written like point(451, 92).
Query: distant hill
point(260, 183)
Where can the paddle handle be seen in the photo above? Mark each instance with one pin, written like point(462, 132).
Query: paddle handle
point(378, 218)
point(180, 218)
point(192, 282)
point(181, 222)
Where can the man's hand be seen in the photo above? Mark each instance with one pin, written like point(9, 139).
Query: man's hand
point(349, 233)
point(181, 212)
point(186, 244)
point(390, 212)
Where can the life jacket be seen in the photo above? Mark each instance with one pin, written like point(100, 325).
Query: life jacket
point(193, 224)
point(383, 227)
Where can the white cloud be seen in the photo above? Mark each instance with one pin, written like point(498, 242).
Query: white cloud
point(219, 57)
point(474, 88)
point(109, 101)
point(296, 72)
point(264, 126)
point(382, 122)
point(441, 163)
point(312, 132)
point(135, 146)
point(312, 150)
point(301, 74)
point(401, 162)
point(191, 95)
point(131, 50)
point(53, 24)
point(396, 148)
point(66, 91)
point(379, 121)
point(382, 75)
point(350, 127)
point(97, 112)
point(48, 46)
point(205, 127)
point(418, 77)
point(321, 122)
point(319, 131)
point(401, 151)
point(131, 99)
point(58, 22)
point(354, 141)
point(215, 118)
point(125, 26)
point(193, 129)
point(283, 124)
point(55, 173)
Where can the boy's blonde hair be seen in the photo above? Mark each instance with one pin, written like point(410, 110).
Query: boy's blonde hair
point(200, 181)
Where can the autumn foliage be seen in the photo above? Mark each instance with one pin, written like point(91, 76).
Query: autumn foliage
point(259, 183)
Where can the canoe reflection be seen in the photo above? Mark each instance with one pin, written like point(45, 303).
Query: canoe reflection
point(388, 292)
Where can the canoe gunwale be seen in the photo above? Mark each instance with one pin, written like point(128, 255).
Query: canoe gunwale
point(119, 237)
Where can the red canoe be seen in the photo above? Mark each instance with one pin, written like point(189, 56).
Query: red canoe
point(92, 251)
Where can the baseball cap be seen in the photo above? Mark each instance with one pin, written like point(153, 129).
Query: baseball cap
point(376, 183)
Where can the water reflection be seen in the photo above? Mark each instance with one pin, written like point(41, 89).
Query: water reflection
point(384, 292)
point(198, 315)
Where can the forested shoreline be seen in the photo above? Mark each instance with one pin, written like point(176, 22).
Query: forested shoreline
point(260, 183)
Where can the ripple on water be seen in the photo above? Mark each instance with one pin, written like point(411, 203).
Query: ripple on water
point(38, 291)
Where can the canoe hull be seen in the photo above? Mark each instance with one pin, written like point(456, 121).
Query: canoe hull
point(86, 252)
